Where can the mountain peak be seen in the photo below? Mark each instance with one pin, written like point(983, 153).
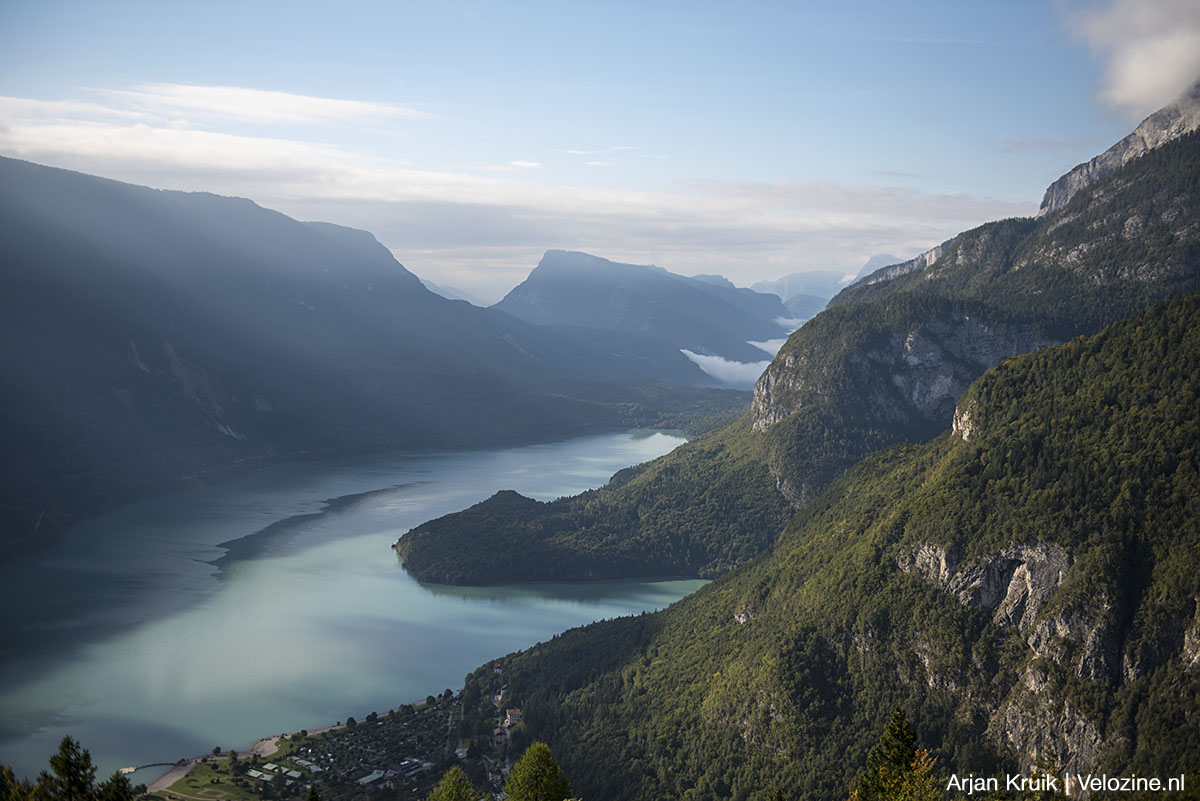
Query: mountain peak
point(1181, 116)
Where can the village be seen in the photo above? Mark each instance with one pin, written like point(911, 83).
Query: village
point(402, 753)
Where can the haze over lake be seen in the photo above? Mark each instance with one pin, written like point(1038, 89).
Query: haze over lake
point(274, 602)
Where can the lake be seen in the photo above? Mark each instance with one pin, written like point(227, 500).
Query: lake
point(274, 602)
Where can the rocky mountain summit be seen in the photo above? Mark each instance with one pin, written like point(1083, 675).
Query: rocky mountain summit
point(1168, 123)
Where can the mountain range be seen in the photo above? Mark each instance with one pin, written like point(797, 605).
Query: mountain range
point(884, 364)
point(705, 315)
point(154, 339)
point(968, 488)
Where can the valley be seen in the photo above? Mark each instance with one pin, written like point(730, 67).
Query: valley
point(549, 402)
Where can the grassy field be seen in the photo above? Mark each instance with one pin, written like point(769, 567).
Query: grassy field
point(214, 780)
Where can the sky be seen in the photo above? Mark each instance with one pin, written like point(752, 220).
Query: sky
point(751, 140)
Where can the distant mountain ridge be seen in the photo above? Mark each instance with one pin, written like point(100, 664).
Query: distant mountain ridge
point(821, 283)
point(696, 314)
point(155, 338)
point(452, 293)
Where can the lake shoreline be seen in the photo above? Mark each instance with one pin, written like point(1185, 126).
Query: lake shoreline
point(141, 648)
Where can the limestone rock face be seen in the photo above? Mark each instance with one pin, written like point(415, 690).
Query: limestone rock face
point(965, 422)
point(1170, 122)
point(1032, 723)
point(1015, 583)
point(925, 369)
point(911, 266)
point(1191, 642)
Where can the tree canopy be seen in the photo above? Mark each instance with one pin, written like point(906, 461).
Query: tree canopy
point(537, 777)
point(454, 786)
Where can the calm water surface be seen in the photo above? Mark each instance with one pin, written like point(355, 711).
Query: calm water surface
point(274, 602)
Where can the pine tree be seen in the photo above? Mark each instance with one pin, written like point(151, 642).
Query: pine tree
point(889, 762)
point(537, 777)
point(116, 788)
point(72, 776)
point(455, 786)
point(312, 794)
point(12, 788)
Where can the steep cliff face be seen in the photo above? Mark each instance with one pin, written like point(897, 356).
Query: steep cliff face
point(915, 264)
point(889, 358)
point(1019, 585)
point(924, 369)
point(898, 382)
point(1015, 584)
point(1164, 125)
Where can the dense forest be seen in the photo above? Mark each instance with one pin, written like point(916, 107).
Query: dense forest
point(650, 520)
point(1026, 586)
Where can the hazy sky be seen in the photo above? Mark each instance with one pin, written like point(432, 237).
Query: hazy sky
point(751, 139)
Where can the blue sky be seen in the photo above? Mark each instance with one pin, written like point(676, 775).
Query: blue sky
point(750, 139)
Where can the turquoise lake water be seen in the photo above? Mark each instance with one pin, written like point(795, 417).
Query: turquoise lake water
point(275, 602)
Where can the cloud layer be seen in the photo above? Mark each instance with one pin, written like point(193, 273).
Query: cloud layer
point(481, 227)
point(1152, 50)
point(742, 375)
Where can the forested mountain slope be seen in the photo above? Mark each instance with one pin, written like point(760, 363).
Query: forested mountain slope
point(667, 518)
point(884, 364)
point(153, 338)
point(1026, 586)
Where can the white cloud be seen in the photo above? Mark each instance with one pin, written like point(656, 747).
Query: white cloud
point(770, 346)
point(511, 166)
point(258, 105)
point(480, 228)
point(742, 375)
point(597, 152)
point(1152, 50)
point(24, 107)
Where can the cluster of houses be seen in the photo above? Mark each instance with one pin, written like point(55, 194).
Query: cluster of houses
point(408, 770)
point(268, 772)
point(500, 734)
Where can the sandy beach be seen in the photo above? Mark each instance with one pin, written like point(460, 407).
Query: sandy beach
point(264, 747)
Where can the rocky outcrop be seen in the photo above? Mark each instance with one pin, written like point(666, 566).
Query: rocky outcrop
point(1191, 642)
point(1082, 637)
point(1015, 583)
point(913, 265)
point(1018, 585)
point(1034, 725)
point(795, 375)
point(1156, 643)
point(1170, 122)
point(923, 370)
point(965, 422)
